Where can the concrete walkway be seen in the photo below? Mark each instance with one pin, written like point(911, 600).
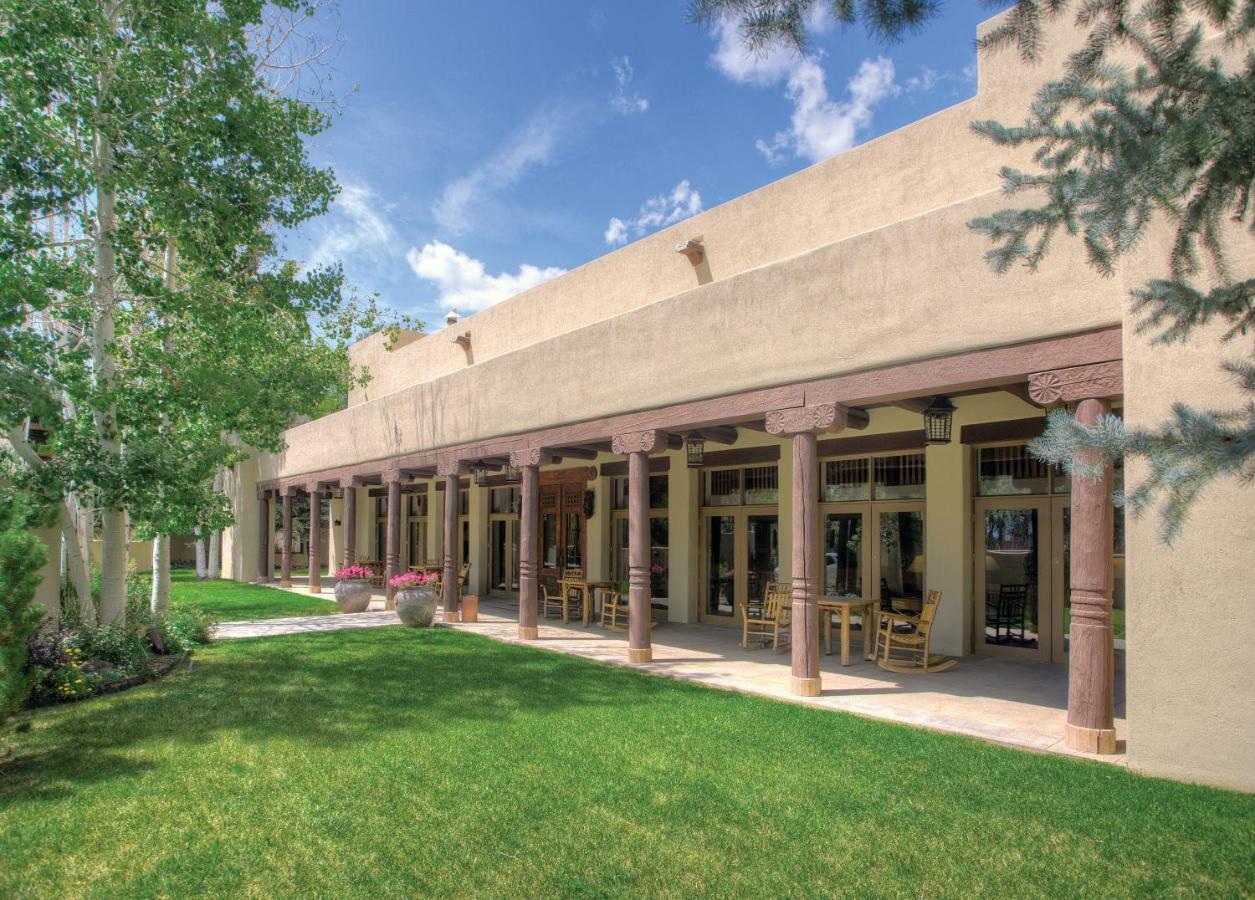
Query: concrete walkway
point(1019, 704)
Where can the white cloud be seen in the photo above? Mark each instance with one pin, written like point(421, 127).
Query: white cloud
point(465, 198)
point(681, 202)
point(463, 282)
point(625, 101)
point(820, 126)
point(961, 82)
point(356, 226)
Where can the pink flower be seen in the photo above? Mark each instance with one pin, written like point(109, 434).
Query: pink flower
point(349, 573)
point(410, 580)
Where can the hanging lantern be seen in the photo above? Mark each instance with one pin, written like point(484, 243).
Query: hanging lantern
point(481, 475)
point(937, 420)
point(512, 475)
point(695, 451)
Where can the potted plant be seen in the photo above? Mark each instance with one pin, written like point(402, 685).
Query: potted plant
point(353, 589)
point(415, 598)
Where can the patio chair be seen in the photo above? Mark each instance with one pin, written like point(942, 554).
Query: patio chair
point(463, 574)
point(551, 598)
point(613, 609)
point(770, 620)
point(890, 637)
point(1005, 612)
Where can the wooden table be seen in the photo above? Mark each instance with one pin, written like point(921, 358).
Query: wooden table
point(427, 567)
point(844, 606)
point(586, 589)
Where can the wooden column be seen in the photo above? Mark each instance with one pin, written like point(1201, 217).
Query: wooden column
point(263, 538)
point(637, 446)
point(350, 521)
point(315, 540)
point(449, 580)
point(392, 553)
point(1091, 658)
point(285, 552)
point(803, 423)
point(528, 464)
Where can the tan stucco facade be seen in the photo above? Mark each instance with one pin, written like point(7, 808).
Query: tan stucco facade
point(854, 282)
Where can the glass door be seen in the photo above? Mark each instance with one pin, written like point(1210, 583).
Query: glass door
point(900, 555)
point(501, 558)
point(720, 565)
point(844, 553)
point(1012, 584)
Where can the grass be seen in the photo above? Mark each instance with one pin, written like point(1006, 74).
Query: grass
point(396, 762)
point(231, 601)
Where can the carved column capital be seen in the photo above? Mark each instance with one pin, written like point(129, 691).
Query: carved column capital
point(639, 441)
point(1097, 381)
point(528, 456)
point(799, 419)
point(447, 467)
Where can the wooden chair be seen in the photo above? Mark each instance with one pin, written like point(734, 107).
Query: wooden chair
point(890, 636)
point(1005, 612)
point(613, 608)
point(463, 574)
point(551, 598)
point(770, 620)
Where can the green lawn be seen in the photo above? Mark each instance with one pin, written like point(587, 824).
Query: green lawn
point(231, 601)
point(396, 762)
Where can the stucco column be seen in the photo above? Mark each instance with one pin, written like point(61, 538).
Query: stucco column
point(803, 423)
point(637, 446)
point(349, 519)
point(1091, 664)
point(285, 563)
point(263, 538)
point(449, 581)
point(315, 540)
point(528, 464)
point(392, 552)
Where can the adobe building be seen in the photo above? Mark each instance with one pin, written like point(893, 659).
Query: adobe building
point(742, 398)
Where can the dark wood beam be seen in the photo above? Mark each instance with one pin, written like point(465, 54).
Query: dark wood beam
point(574, 452)
point(718, 434)
point(913, 404)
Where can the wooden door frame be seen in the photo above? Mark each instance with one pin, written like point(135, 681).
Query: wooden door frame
point(1045, 554)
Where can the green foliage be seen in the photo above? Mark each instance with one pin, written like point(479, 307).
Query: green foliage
point(1145, 125)
point(21, 557)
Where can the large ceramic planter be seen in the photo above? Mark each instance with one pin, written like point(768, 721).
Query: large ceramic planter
point(416, 607)
point(353, 595)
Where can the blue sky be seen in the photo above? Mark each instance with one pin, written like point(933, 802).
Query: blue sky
point(490, 146)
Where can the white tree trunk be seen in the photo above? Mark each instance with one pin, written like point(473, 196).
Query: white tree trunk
point(77, 569)
point(201, 554)
point(114, 540)
point(214, 564)
point(159, 602)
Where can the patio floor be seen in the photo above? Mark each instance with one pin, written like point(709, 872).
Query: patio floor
point(1020, 704)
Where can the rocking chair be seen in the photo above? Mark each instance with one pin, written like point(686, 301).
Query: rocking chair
point(891, 636)
point(770, 619)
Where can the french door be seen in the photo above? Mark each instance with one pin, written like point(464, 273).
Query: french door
point(503, 555)
point(563, 538)
point(874, 551)
point(740, 554)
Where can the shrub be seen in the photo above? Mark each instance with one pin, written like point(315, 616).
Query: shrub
point(184, 628)
point(21, 557)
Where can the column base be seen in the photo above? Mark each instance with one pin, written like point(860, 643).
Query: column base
point(1089, 740)
point(529, 633)
point(315, 589)
point(640, 654)
point(451, 617)
point(285, 583)
point(806, 687)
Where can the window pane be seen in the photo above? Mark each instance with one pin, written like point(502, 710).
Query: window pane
point(574, 545)
point(504, 501)
point(1011, 560)
point(498, 569)
point(620, 493)
point(843, 547)
point(721, 550)
point(619, 554)
point(763, 536)
point(658, 551)
point(723, 487)
point(846, 479)
point(761, 485)
point(1010, 470)
point(464, 502)
point(549, 541)
point(657, 491)
point(902, 559)
point(899, 477)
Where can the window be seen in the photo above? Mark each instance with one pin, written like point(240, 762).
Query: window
point(1005, 471)
point(751, 486)
point(657, 492)
point(504, 501)
point(898, 477)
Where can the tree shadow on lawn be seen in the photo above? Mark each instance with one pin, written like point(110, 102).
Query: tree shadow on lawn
point(334, 690)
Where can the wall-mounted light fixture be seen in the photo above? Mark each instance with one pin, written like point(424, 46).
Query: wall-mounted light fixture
point(695, 451)
point(938, 417)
